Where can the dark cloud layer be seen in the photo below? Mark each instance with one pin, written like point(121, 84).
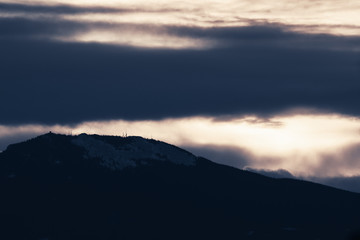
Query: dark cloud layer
point(252, 70)
point(269, 34)
point(67, 9)
point(25, 29)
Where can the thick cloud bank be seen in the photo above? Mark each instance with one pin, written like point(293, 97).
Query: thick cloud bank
point(51, 82)
point(50, 75)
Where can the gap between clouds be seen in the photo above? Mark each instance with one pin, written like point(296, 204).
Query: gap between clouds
point(305, 145)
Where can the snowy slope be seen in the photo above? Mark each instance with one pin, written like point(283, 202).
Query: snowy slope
point(135, 151)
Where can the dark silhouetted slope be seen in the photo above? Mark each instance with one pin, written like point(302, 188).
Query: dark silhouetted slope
point(104, 187)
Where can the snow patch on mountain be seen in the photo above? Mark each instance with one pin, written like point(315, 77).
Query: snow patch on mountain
point(109, 156)
point(135, 151)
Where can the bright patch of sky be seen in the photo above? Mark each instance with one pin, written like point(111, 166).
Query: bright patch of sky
point(300, 144)
point(309, 16)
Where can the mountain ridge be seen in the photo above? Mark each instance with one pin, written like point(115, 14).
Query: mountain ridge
point(52, 188)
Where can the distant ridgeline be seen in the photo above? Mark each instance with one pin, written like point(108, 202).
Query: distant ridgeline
point(106, 187)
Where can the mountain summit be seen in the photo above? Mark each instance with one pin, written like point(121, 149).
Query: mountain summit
point(105, 187)
point(103, 152)
point(118, 153)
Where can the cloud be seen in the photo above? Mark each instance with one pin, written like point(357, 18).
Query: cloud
point(320, 148)
point(90, 81)
point(70, 64)
point(54, 9)
point(337, 167)
point(304, 145)
point(326, 17)
point(45, 28)
point(260, 69)
point(343, 162)
point(62, 9)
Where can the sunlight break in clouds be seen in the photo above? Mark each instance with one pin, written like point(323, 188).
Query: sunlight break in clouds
point(301, 144)
point(330, 17)
point(295, 143)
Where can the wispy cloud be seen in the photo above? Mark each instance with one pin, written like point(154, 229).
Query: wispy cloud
point(307, 12)
point(200, 17)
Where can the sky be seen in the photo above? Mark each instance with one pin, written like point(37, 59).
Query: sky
point(266, 85)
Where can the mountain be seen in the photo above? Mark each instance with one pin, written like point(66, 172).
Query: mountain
point(105, 187)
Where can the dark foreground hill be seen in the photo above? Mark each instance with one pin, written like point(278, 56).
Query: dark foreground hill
point(103, 187)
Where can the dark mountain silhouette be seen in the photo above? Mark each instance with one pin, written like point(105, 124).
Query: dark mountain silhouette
point(105, 187)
